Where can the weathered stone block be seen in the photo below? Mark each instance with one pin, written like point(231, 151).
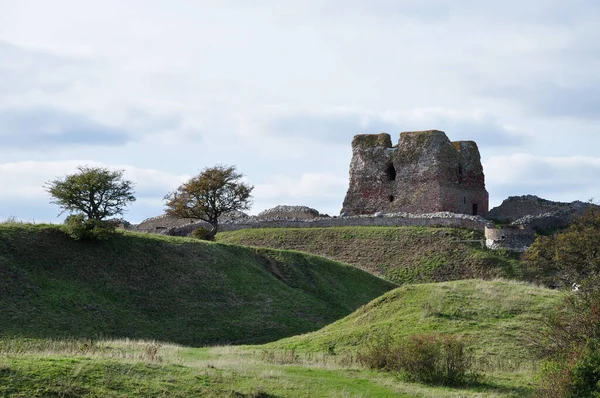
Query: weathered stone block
point(367, 141)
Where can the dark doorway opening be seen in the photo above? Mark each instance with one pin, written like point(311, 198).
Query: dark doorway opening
point(391, 198)
point(474, 209)
point(390, 172)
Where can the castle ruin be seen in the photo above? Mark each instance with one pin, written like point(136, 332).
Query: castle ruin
point(424, 173)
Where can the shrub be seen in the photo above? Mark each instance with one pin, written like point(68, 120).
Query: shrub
point(376, 354)
point(571, 344)
point(574, 376)
point(431, 359)
point(568, 257)
point(586, 371)
point(202, 234)
point(555, 379)
point(80, 228)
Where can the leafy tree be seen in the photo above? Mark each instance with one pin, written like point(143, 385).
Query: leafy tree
point(570, 341)
point(94, 191)
point(569, 256)
point(570, 338)
point(215, 191)
point(91, 195)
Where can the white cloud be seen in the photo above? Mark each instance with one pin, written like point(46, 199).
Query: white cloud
point(557, 178)
point(280, 88)
point(24, 182)
point(309, 189)
point(338, 125)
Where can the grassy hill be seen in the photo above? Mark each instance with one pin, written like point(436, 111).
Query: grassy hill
point(495, 314)
point(399, 254)
point(124, 369)
point(499, 317)
point(169, 289)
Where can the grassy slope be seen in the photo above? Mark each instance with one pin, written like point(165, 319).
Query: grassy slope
point(497, 315)
point(399, 254)
point(125, 368)
point(170, 289)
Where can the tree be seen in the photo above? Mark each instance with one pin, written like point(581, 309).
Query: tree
point(569, 256)
point(215, 191)
point(570, 336)
point(570, 342)
point(96, 192)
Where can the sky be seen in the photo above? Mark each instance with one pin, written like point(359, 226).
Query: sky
point(163, 89)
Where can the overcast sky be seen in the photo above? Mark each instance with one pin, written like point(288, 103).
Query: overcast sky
point(163, 89)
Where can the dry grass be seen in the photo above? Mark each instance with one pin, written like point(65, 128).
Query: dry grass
point(122, 349)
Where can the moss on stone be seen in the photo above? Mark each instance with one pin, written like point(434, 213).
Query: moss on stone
point(421, 136)
point(372, 140)
point(468, 148)
point(413, 144)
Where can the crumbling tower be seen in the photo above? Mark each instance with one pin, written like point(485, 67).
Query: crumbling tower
point(424, 173)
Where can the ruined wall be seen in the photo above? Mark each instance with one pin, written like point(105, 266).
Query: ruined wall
point(424, 173)
point(442, 219)
point(512, 237)
point(372, 162)
point(284, 211)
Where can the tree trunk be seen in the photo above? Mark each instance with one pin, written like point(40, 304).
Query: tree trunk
point(213, 231)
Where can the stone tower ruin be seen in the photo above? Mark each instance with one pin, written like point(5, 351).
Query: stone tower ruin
point(424, 173)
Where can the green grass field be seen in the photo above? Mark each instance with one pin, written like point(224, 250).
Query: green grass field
point(499, 317)
point(126, 317)
point(170, 289)
point(398, 254)
point(493, 313)
point(130, 369)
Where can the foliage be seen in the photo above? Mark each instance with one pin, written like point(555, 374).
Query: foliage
point(201, 234)
point(215, 191)
point(556, 376)
point(568, 256)
point(431, 359)
point(570, 340)
point(586, 371)
point(94, 191)
point(571, 343)
point(80, 228)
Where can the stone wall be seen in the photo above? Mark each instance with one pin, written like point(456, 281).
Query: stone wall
point(441, 219)
point(283, 211)
point(161, 224)
point(424, 173)
point(512, 237)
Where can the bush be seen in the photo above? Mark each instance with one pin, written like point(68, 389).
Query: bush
point(586, 371)
point(571, 344)
point(570, 256)
point(202, 234)
point(430, 359)
point(80, 228)
point(574, 376)
point(376, 354)
point(555, 379)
